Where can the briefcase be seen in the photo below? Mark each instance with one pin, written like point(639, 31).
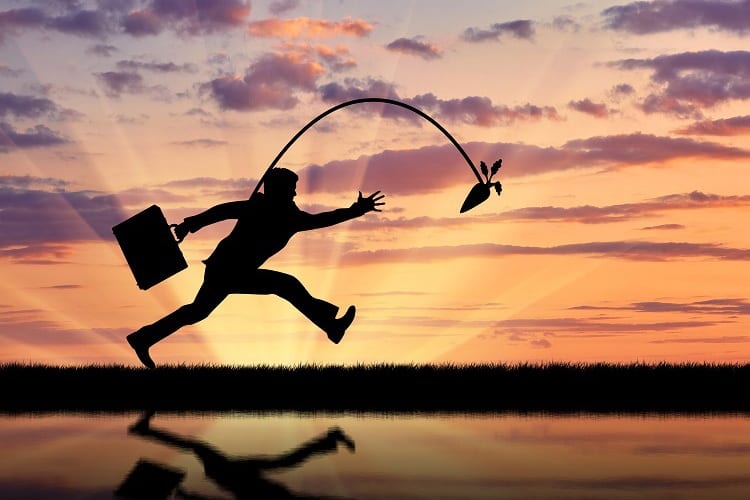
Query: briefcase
point(149, 247)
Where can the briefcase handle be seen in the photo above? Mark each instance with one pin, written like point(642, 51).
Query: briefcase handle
point(179, 240)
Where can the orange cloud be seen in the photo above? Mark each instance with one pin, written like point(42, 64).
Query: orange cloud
point(309, 28)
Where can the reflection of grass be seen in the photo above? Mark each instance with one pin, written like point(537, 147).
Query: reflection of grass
point(403, 388)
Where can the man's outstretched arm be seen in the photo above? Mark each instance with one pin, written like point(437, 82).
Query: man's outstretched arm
point(224, 211)
point(358, 208)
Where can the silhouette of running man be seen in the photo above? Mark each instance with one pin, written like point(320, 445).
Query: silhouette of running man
point(265, 223)
point(244, 477)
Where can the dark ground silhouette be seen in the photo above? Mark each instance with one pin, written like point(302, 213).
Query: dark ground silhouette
point(265, 224)
point(244, 476)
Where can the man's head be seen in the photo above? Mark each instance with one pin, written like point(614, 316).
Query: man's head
point(280, 184)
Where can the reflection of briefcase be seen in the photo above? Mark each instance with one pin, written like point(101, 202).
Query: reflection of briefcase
point(150, 481)
point(149, 247)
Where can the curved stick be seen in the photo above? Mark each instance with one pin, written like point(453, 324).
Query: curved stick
point(359, 101)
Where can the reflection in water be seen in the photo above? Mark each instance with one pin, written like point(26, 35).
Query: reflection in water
point(243, 477)
point(441, 457)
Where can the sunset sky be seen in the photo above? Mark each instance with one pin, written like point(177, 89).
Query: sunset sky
point(621, 234)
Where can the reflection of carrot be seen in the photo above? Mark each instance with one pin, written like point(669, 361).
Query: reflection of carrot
point(395, 103)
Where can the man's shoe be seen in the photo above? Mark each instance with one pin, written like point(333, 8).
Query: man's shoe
point(141, 349)
point(336, 331)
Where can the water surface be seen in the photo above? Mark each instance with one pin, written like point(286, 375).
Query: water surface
point(398, 457)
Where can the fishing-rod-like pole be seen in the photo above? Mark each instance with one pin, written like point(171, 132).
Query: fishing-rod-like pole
point(360, 101)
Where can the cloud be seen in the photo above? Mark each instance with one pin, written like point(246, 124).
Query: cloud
point(102, 49)
point(119, 82)
point(271, 82)
point(432, 168)
point(34, 137)
point(566, 23)
point(202, 143)
point(337, 58)
point(305, 27)
point(586, 214)
point(667, 227)
point(168, 67)
point(626, 250)
point(9, 72)
point(739, 339)
point(83, 22)
point(40, 219)
point(621, 90)
point(190, 17)
point(142, 22)
point(90, 23)
point(725, 307)
point(112, 18)
point(587, 106)
point(692, 81)
point(278, 7)
point(415, 47)
point(665, 15)
point(738, 125)
point(522, 29)
point(474, 110)
point(26, 106)
point(617, 213)
point(129, 82)
point(518, 328)
point(33, 215)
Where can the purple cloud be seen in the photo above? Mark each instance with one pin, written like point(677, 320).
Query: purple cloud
point(691, 81)
point(565, 23)
point(8, 71)
point(102, 50)
point(168, 67)
point(665, 15)
point(142, 22)
point(622, 89)
point(189, 17)
point(202, 143)
point(271, 82)
point(121, 82)
point(523, 29)
point(26, 106)
point(415, 47)
point(738, 125)
point(15, 19)
point(436, 167)
point(627, 250)
point(39, 223)
point(84, 22)
point(587, 106)
point(617, 213)
point(34, 137)
point(667, 227)
point(279, 7)
point(474, 110)
point(112, 18)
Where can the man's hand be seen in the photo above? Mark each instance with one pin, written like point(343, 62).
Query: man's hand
point(370, 203)
point(180, 231)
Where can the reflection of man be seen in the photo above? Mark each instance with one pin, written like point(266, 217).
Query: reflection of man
point(265, 223)
point(243, 477)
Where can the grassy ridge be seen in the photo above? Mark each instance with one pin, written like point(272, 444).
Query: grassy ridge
point(555, 387)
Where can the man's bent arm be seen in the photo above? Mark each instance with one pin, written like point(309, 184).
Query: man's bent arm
point(224, 211)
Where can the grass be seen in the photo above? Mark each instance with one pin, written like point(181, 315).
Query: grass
point(553, 387)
